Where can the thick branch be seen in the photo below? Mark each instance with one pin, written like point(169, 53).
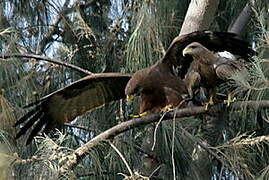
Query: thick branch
point(241, 21)
point(37, 57)
point(199, 16)
point(81, 152)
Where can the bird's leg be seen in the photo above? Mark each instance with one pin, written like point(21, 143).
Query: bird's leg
point(139, 115)
point(169, 107)
point(164, 109)
point(134, 115)
point(190, 92)
point(211, 97)
point(192, 81)
point(210, 102)
point(229, 99)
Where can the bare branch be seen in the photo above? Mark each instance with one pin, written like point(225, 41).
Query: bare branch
point(37, 57)
point(14, 159)
point(199, 16)
point(81, 152)
point(241, 21)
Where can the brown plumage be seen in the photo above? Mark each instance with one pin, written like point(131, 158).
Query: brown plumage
point(65, 104)
point(149, 83)
point(158, 85)
point(209, 70)
point(213, 41)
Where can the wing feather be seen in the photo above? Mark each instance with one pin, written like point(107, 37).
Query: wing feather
point(226, 68)
point(214, 41)
point(39, 125)
point(27, 116)
point(67, 103)
point(29, 123)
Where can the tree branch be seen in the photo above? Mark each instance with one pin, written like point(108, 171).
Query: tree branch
point(73, 159)
point(37, 57)
point(199, 16)
point(238, 26)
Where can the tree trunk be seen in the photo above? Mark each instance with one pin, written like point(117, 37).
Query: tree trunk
point(241, 21)
point(199, 16)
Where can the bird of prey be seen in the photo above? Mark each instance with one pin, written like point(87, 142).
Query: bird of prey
point(159, 86)
point(209, 70)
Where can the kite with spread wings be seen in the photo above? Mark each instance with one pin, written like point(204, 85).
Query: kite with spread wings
point(158, 85)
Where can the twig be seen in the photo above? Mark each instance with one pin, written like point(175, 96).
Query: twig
point(209, 150)
point(18, 160)
point(107, 173)
point(221, 171)
point(173, 145)
point(37, 57)
point(81, 152)
point(155, 131)
point(122, 157)
point(136, 147)
point(154, 171)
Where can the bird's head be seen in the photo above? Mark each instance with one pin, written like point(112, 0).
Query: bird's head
point(131, 93)
point(192, 49)
point(134, 86)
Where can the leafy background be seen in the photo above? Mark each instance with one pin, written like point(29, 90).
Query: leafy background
point(124, 36)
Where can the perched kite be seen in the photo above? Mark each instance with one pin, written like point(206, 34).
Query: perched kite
point(209, 70)
point(159, 85)
point(150, 83)
point(158, 88)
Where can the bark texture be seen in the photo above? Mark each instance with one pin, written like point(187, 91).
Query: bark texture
point(199, 16)
point(238, 26)
point(72, 160)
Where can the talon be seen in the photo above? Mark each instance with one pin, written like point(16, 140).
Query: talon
point(135, 116)
point(210, 102)
point(206, 106)
point(139, 115)
point(167, 108)
point(229, 99)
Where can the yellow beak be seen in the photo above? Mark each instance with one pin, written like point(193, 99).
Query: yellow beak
point(130, 98)
point(186, 51)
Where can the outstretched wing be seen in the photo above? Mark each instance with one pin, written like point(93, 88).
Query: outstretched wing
point(214, 41)
point(67, 103)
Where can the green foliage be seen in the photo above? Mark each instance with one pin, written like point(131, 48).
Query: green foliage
point(88, 37)
point(154, 25)
point(227, 13)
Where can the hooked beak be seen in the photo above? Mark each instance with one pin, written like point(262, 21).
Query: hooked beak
point(186, 51)
point(130, 98)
